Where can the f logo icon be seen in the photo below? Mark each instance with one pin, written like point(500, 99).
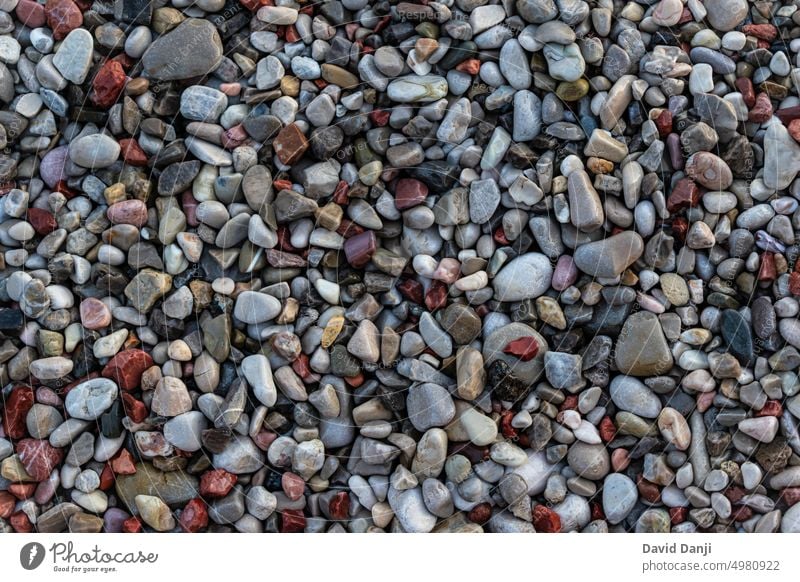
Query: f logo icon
point(31, 555)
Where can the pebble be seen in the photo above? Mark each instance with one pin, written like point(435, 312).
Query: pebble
point(619, 497)
point(525, 277)
point(94, 151)
point(201, 51)
point(642, 349)
point(88, 400)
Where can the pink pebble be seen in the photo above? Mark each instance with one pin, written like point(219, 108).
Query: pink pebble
point(565, 274)
point(447, 271)
point(264, 439)
point(128, 212)
point(293, 485)
point(95, 314)
point(620, 460)
point(190, 208)
point(45, 395)
point(704, 400)
point(45, 490)
point(231, 89)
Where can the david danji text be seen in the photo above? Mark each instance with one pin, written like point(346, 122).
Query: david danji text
point(676, 548)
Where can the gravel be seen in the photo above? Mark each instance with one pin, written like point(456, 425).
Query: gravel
point(452, 266)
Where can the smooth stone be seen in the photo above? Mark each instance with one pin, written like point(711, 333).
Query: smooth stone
point(429, 405)
point(253, 307)
point(632, 395)
point(525, 277)
point(88, 400)
point(74, 56)
point(619, 497)
point(417, 89)
point(192, 49)
point(609, 257)
point(94, 151)
point(642, 349)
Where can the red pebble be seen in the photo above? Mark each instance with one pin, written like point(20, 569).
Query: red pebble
point(794, 129)
point(340, 194)
point(409, 192)
point(649, 491)
point(734, 493)
point(349, 229)
point(761, 110)
point(790, 495)
point(63, 188)
point(680, 226)
point(63, 16)
point(31, 13)
point(499, 236)
point(291, 34)
point(480, 513)
point(107, 84)
point(383, 23)
point(20, 522)
point(470, 66)
point(771, 408)
point(339, 506)
point(436, 297)
point(664, 123)
point(107, 478)
point(767, 270)
point(359, 249)
point(762, 31)
point(741, 513)
point(293, 485)
point(189, 205)
point(505, 424)
point(794, 283)
point(42, 221)
point(677, 515)
point(132, 152)
point(355, 381)
point(301, 366)
point(217, 483)
point(685, 194)
point(596, 511)
point(284, 242)
point(7, 504)
point(17, 405)
point(545, 520)
point(251, 5)
point(22, 491)
point(292, 521)
point(607, 429)
point(194, 516)
point(570, 403)
point(127, 367)
point(123, 463)
point(135, 409)
point(411, 290)
point(379, 117)
point(525, 348)
point(38, 457)
point(280, 185)
point(745, 86)
point(132, 525)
